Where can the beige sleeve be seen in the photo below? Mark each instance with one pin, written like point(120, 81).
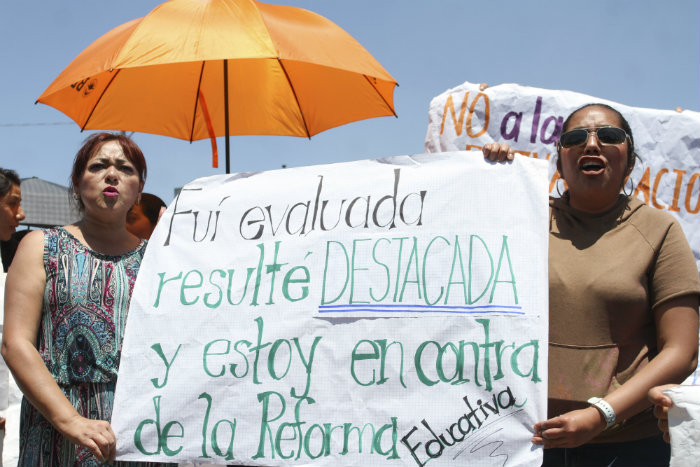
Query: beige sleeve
point(674, 273)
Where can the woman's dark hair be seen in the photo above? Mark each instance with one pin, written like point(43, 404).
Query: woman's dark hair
point(631, 155)
point(8, 178)
point(90, 147)
point(150, 205)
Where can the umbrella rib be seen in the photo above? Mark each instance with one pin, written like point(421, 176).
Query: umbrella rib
point(380, 95)
point(196, 100)
point(99, 99)
point(291, 86)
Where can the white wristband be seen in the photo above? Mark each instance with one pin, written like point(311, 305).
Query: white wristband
point(605, 410)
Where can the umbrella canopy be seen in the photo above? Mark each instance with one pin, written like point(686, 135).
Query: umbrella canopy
point(46, 204)
point(192, 69)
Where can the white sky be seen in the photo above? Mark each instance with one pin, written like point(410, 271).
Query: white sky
point(643, 53)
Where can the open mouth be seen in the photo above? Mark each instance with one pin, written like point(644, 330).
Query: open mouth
point(591, 166)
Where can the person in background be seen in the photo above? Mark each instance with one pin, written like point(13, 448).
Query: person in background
point(143, 217)
point(11, 214)
point(9, 247)
point(623, 298)
point(68, 294)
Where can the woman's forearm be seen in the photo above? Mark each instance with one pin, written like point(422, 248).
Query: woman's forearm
point(677, 340)
point(37, 384)
point(669, 366)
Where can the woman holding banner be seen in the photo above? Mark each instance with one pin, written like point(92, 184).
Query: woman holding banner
point(623, 294)
point(68, 293)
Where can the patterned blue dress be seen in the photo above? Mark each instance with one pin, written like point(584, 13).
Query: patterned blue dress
point(86, 301)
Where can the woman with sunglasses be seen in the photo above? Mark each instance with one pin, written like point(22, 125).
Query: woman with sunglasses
point(623, 297)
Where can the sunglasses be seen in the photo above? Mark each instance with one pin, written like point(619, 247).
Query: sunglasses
point(604, 134)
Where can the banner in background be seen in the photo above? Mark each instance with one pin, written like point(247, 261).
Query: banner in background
point(530, 120)
point(380, 312)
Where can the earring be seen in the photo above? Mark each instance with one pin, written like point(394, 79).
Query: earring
point(624, 189)
point(138, 199)
point(558, 189)
point(76, 196)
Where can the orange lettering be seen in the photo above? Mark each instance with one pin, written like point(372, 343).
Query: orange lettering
point(677, 190)
point(643, 186)
point(487, 113)
point(689, 193)
point(655, 190)
point(473, 147)
point(451, 106)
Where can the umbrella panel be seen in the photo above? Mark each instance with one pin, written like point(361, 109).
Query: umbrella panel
point(264, 98)
point(330, 97)
point(260, 100)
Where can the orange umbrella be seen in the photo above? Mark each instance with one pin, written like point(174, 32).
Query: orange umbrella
point(177, 71)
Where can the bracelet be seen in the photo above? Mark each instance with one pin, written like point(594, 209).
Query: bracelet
point(605, 410)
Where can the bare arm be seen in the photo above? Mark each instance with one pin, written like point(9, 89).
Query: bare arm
point(677, 336)
point(24, 292)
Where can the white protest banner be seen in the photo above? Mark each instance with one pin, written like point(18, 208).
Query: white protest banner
point(380, 312)
point(530, 120)
point(684, 425)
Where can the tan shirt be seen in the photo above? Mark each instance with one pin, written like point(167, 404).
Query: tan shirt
point(607, 272)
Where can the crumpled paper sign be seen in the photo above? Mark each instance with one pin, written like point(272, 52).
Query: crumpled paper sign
point(684, 425)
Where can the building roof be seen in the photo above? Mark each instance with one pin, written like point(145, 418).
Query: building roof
point(46, 204)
